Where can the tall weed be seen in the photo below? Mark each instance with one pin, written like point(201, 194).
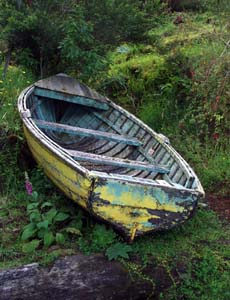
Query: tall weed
point(16, 79)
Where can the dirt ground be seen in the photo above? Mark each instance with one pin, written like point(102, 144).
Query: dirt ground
point(221, 205)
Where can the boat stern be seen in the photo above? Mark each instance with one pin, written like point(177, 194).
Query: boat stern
point(135, 208)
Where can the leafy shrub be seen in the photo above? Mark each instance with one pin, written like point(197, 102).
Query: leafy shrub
point(32, 30)
point(117, 21)
point(96, 239)
point(180, 5)
point(118, 250)
point(198, 5)
point(49, 36)
point(78, 47)
point(43, 227)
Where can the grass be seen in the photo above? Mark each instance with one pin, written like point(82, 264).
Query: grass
point(211, 161)
point(197, 250)
point(196, 254)
point(10, 88)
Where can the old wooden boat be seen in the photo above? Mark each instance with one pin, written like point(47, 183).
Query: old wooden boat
point(106, 159)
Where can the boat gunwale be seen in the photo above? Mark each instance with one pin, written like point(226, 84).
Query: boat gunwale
point(40, 135)
point(60, 152)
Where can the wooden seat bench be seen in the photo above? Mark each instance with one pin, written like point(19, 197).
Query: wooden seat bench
point(71, 98)
point(119, 162)
point(87, 132)
point(100, 159)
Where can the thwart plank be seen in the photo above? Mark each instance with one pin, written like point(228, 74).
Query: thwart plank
point(87, 132)
point(71, 98)
point(112, 161)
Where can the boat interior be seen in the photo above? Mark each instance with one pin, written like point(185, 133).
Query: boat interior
point(103, 138)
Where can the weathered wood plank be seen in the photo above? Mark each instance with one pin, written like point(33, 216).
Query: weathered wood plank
point(82, 277)
point(105, 120)
point(174, 167)
point(118, 150)
point(87, 132)
point(190, 182)
point(71, 98)
point(178, 174)
point(160, 154)
point(182, 179)
point(114, 127)
point(124, 163)
point(68, 85)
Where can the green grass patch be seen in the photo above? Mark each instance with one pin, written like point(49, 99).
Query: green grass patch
point(16, 80)
point(210, 160)
point(197, 250)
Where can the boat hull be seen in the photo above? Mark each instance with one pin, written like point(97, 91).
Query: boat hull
point(74, 184)
point(105, 159)
point(136, 210)
point(130, 207)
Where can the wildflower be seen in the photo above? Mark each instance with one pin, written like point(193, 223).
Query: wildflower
point(28, 185)
point(215, 136)
point(23, 72)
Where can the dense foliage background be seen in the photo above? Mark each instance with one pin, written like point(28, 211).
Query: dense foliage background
point(170, 69)
point(165, 61)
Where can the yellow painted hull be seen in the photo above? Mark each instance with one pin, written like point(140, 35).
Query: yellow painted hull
point(130, 207)
point(107, 161)
point(73, 184)
point(136, 209)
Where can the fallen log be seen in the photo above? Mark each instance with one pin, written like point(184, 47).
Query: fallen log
point(71, 278)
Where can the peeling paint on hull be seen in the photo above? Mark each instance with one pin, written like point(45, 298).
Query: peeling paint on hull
point(74, 185)
point(130, 206)
point(125, 205)
point(139, 199)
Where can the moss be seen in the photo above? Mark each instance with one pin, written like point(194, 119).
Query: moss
point(146, 66)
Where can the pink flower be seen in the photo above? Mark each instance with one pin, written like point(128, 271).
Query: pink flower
point(29, 187)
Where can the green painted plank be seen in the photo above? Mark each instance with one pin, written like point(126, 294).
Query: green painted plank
point(87, 132)
point(71, 98)
point(112, 161)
